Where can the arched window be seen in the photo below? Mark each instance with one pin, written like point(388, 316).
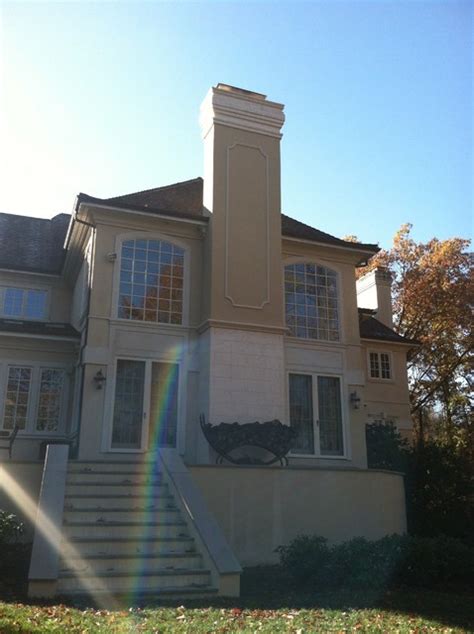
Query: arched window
point(311, 302)
point(151, 281)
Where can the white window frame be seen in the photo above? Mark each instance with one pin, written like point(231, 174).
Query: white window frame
point(30, 430)
point(344, 414)
point(340, 307)
point(186, 278)
point(25, 289)
point(379, 378)
point(110, 403)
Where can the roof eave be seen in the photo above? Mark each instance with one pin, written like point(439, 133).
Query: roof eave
point(84, 200)
point(366, 252)
point(412, 343)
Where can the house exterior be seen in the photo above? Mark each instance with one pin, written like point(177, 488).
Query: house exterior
point(123, 322)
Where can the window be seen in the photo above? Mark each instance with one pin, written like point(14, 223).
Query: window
point(33, 397)
point(316, 415)
point(17, 397)
point(151, 281)
point(311, 302)
point(24, 303)
point(379, 365)
point(49, 405)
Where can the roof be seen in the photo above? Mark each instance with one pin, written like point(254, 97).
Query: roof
point(36, 244)
point(32, 244)
point(182, 200)
point(371, 328)
point(22, 326)
point(186, 199)
point(296, 229)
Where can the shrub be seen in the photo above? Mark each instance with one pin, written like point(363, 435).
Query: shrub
point(305, 558)
point(415, 561)
point(439, 481)
point(386, 449)
point(11, 529)
point(15, 557)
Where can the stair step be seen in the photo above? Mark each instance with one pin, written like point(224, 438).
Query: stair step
point(75, 466)
point(108, 477)
point(117, 500)
point(123, 488)
point(139, 595)
point(103, 564)
point(125, 529)
point(94, 514)
point(126, 581)
point(126, 546)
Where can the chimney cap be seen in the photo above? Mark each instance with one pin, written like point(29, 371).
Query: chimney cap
point(242, 91)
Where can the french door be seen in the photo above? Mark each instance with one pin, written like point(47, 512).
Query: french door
point(316, 415)
point(145, 407)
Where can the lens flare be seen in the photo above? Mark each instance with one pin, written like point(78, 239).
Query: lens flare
point(54, 537)
point(162, 432)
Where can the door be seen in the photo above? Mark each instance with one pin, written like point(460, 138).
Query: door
point(145, 405)
point(129, 414)
point(316, 415)
point(163, 404)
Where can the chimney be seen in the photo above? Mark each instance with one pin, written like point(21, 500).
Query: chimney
point(241, 132)
point(374, 290)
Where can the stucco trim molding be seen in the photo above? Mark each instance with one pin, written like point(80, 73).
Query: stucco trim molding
point(242, 110)
point(233, 325)
point(228, 295)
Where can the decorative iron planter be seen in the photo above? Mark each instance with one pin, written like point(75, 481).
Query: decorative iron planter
point(227, 438)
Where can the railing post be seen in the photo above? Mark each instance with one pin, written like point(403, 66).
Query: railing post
point(44, 565)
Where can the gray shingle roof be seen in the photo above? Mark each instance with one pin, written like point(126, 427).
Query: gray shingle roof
point(32, 244)
point(23, 326)
point(186, 199)
point(371, 328)
point(296, 229)
point(36, 244)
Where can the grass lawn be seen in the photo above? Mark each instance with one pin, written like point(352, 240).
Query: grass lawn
point(266, 605)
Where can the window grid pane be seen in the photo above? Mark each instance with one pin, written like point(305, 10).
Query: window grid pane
point(151, 281)
point(17, 397)
point(330, 416)
point(128, 406)
point(385, 365)
point(311, 302)
point(20, 302)
point(374, 365)
point(301, 412)
point(13, 303)
point(35, 304)
point(49, 405)
point(164, 403)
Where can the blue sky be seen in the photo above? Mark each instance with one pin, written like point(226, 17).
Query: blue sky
point(104, 97)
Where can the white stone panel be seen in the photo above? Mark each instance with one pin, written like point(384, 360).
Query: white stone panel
point(314, 358)
point(246, 380)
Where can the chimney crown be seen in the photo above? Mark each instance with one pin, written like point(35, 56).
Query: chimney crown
point(243, 109)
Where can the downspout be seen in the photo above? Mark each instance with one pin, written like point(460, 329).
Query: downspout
point(86, 332)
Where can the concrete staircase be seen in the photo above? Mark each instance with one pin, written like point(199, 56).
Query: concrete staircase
point(124, 534)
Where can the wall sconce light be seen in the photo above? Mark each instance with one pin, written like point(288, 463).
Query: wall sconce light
point(99, 380)
point(354, 400)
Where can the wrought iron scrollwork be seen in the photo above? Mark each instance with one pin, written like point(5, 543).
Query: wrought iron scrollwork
point(271, 436)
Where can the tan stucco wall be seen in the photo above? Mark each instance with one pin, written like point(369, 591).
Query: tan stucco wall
point(59, 293)
point(388, 399)
point(32, 350)
point(261, 508)
point(27, 475)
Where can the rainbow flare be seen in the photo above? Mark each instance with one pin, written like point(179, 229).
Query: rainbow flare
point(164, 400)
